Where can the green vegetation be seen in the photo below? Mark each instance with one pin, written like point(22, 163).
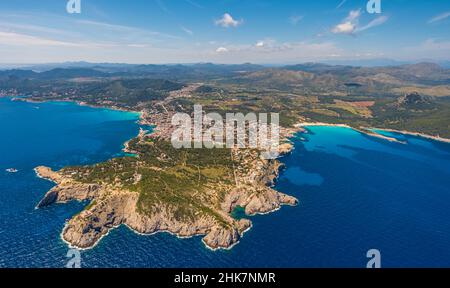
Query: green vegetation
point(181, 179)
point(192, 183)
point(318, 92)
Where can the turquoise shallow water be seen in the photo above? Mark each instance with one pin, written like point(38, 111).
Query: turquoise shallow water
point(356, 193)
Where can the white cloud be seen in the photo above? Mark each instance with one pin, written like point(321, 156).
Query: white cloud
point(439, 17)
point(30, 28)
point(125, 29)
point(260, 44)
point(354, 15)
point(89, 34)
point(273, 52)
point(376, 22)
point(221, 50)
point(265, 44)
point(77, 39)
point(348, 26)
point(16, 39)
point(228, 21)
point(344, 28)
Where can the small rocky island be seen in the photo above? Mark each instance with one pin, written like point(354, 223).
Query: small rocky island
point(186, 192)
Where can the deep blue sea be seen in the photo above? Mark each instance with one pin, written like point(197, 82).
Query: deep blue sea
point(356, 193)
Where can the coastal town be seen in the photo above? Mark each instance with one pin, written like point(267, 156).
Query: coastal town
point(243, 179)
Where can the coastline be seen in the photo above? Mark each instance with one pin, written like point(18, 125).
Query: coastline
point(417, 134)
point(308, 124)
point(63, 183)
point(79, 103)
point(362, 131)
point(369, 131)
point(70, 245)
point(56, 178)
point(141, 121)
point(142, 132)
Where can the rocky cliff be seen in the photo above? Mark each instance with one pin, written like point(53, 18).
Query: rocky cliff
point(112, 205)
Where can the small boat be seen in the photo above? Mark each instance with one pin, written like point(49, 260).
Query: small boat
point(12, 170)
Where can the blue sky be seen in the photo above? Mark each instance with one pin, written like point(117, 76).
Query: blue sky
point(222, 31)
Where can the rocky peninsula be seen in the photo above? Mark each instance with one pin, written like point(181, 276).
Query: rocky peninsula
point(186, 192)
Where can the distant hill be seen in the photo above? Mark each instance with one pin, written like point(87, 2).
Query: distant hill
point(278, 77)
point(426, 78)
point(421, 73)
point(58, 73)
point(129, 91)
point(414, 99)
point(173, 72)
point(17, 74)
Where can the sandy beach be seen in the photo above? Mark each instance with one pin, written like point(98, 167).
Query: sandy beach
point(426, 136)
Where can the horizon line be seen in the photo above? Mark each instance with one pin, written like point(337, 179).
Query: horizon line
point(434, 61)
